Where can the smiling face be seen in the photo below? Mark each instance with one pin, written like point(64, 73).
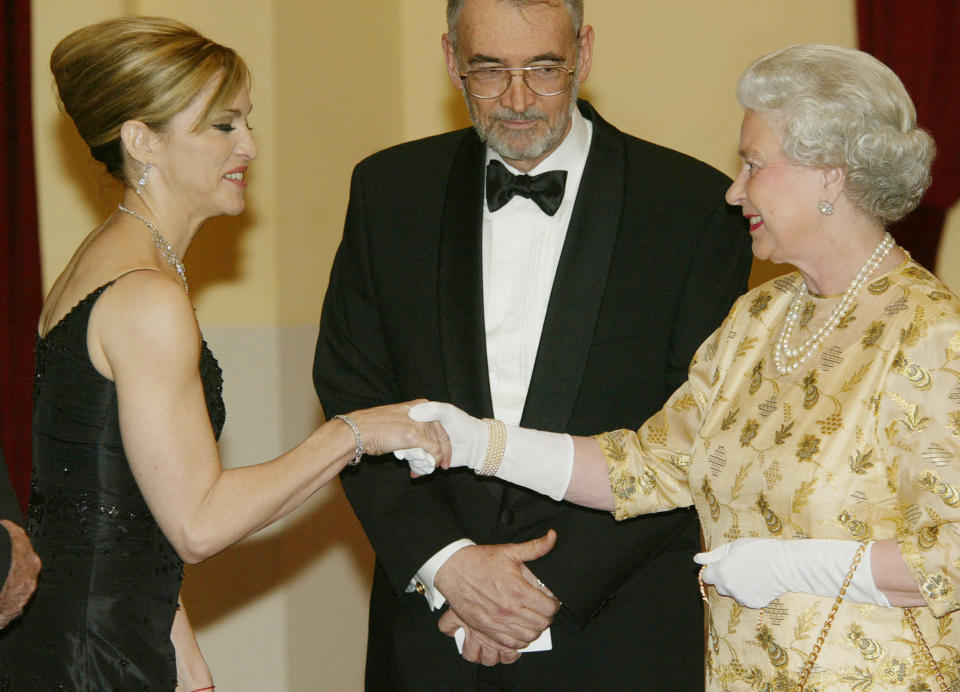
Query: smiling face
point(204, 169)
point(778, 197)
point(521, 126)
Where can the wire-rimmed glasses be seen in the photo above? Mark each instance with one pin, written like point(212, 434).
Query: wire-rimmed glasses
point(493, 82)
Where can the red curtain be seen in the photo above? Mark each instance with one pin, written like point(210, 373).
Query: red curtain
point(20, 282)
point(920, 41)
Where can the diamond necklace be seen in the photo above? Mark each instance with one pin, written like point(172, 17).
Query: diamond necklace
point(167, 252)
point(787, 359)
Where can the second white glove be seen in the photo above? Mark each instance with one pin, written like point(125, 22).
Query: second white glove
point(755, 571)
point(540, 461)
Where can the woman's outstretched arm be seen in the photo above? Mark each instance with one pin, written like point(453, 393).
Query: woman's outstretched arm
point(143, 335)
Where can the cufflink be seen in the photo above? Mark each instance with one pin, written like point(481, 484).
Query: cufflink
point(421, 589)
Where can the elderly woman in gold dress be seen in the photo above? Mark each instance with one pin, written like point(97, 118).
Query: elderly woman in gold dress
point(818, 434)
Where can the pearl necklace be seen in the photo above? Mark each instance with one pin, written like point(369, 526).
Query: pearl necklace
point(166, 251)
point(787, 359)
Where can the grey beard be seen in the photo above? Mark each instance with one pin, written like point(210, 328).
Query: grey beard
point(531, 149)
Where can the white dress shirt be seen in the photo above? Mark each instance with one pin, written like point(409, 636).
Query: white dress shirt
point(521, 249)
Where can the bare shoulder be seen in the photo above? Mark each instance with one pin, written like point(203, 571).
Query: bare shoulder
point(144, 317)
point(105, 255)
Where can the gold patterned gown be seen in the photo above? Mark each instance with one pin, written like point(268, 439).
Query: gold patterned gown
point(861, 443)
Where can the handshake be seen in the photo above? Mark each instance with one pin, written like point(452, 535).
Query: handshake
point(541, 461)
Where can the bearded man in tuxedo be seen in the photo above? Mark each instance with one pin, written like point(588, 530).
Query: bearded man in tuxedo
point(546, 269)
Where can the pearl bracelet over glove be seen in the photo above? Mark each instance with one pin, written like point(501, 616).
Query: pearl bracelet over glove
point(540, 461)
point(755, 571)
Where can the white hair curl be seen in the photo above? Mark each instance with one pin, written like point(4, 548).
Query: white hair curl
point(840, 107)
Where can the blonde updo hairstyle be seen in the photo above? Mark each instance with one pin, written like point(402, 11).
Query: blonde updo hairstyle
point(842, 108)
point(139, 68)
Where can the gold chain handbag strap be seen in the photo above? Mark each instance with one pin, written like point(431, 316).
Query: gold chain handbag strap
point(821, 638)
point(926, 649)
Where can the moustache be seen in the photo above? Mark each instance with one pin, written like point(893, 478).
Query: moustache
point(502, 114)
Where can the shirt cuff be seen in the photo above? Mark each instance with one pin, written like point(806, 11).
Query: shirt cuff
point(422, 581)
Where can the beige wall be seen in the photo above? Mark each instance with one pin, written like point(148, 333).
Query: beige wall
point(334, 81)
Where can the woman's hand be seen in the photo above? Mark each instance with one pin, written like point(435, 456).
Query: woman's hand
point(755, 571)
point(466, 436)
point(385, 429)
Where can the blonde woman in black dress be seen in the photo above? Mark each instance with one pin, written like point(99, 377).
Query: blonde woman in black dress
point(127, 481)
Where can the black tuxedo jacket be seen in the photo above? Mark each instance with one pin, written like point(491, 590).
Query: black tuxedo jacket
point(652, 260)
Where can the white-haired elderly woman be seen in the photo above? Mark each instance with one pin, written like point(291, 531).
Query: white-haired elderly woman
point(818, 434)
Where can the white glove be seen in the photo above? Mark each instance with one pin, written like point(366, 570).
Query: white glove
point(421, 461)
point(755, 571)
point(541, 461)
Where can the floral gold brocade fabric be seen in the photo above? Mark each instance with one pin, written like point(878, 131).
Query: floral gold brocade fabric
point(861, 443)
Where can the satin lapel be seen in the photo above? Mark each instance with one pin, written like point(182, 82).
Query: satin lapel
point(462, 337)
point(568, 326)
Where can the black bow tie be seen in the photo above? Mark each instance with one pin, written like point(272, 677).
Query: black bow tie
point(545, 189)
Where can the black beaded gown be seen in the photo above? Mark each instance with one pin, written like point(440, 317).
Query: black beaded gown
point(101, 616)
